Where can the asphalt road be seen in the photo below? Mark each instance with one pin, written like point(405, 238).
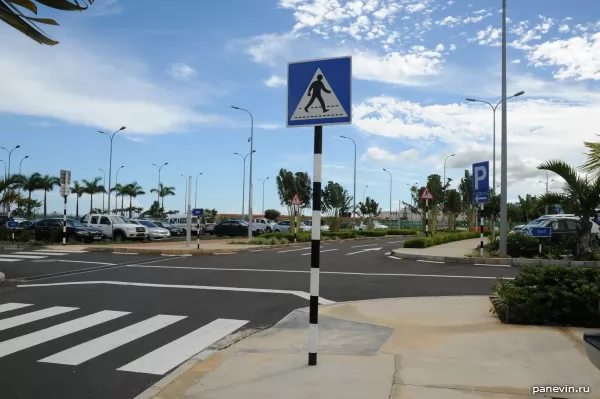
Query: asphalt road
point(95, 323)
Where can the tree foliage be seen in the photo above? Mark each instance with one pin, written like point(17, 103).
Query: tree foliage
point(290, 184)
point(272, 214)
point(12, 14)
point(335, 201)
point(369, 209)
point(453, 207)
point(465, 189)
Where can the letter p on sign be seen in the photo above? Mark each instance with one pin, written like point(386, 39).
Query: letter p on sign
point(481, 177)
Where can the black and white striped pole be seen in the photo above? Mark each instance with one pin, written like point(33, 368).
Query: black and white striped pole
point(65, 221)
point(481, 230)
point(426, 218)
point(315, 251)
point(65, 191)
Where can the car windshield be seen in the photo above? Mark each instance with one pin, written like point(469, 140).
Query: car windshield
point(75, 223)
point(243, 222)
point(147, 223)
point(536, 222)
point(117, 220)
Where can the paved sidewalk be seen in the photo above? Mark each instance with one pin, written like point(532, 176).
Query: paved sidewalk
point(455, 249)
point(407, 348)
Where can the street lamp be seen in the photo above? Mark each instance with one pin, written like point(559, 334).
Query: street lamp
point(158, 187)
point(4, 162)
point(116, 183)
point(364, 189)
point(9, 155)
point(111, 136)
point(451, 155)
point(196, 193)
point(390, 195)
point(186, 193)
point(494, 108)
point(21, 163)
point(250, 187)
point(104, 184)
point(354, 195)
point(263, 194)
point(243, 181)
point(547, 182)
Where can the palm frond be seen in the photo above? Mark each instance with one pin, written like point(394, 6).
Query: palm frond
point(592, 165)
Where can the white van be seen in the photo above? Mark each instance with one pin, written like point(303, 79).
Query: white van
point(180, 220)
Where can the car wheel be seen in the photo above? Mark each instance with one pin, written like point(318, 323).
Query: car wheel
point(72, 239)
point(276, 230)
point(119, 237)
point(268, 229)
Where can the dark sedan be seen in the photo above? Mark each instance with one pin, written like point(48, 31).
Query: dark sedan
point(234, 228)
point(175, 231)
point(51, 230)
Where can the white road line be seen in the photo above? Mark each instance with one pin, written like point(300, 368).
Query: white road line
point(7, 307)
point(485, 264)
point(223, 253)
point(366, 245)
point(292, 250)
point(21, 257)
point(125, 253)
point(9, 260)
point(429, 261)
point(301, 294)
point(41, 253)
point(220, 269)
point(256, 250)
point(96, 347)
point(394, 242)
point(15, 321)
point(394, 257)
point(163, 359)
point(325, 250)
point(87, 262)
point(61, 250)
point(39, 337)
point(169, 255)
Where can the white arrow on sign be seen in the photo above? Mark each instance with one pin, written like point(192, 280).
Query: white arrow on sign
point(480, 198)
point(365, 250)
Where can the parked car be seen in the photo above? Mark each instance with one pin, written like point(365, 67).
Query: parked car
point(115, 227)
point(266, 223)
point(324, 226)
point(235, 228)
point(283, 226)
point(154, 232)
point(180, 221)
point(562, 227)
point(209, 226)
point(52, 230)
point(377, 225)
point(175, 231)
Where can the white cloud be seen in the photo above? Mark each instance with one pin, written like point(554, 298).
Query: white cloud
point(564, 28)
point(275, 81)
point(517, 61)
point(397, 68)
point(181, 71)
point(415, 7)
point(382, 155)
point(269, 126)
point(98, 89)
point(270, 48)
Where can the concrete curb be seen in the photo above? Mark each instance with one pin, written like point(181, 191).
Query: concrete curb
point(514, 262)
point(2, 278)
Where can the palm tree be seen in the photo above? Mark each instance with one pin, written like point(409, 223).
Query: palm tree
point(133, 190)
point(47, 183)
point(119, 190)
point(10, 14)
point(579, 192)
point(163, 191)
point(30, 184)
point(78, 190)
point(592, 165)
point(93, 187)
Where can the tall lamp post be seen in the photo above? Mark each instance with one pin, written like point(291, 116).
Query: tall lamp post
point(9, 155)
point(21, 163)
point(104, 184)
point(250, 186)
point(390, 195)
point(4, 162)
point(111, 136)
point(243, 182)
point(158, 186)
point(546, 183)
point(196, 192)
point(116, 184)
point(263, 194)
point(364, 189)
point(185, 204)
point(354, 195)
point(444, 182)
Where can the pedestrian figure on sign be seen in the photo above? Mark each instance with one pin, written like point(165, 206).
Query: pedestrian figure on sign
point(316, 88)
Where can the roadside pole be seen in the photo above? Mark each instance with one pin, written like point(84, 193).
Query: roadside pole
point(198, 240)
point(65, 191)
point(188, 232)
point(65, 221)
point(481, 230)
point(481, 193)
point(426, 195)
point(294, 216)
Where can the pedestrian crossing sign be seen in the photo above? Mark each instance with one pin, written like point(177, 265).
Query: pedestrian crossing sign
point(296, 200)
point(319, 92)
point(426, 195)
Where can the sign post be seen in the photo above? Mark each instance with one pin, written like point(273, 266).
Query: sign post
point(198, 212)
point(65, 191)
point(329, 82)
point(540, 232)
point(295, 203)
point(426, 195)
point(481, 193)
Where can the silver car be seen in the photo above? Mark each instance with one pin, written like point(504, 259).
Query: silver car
point(154, 232)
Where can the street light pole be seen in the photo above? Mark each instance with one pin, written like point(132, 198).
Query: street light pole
point(21, 163)
point(547, 183)
point(263, 194)
point(158, 186)
point(444, 183)
point(250, 186)
point(4, 162)
point(111, 136)
point(390, 195)
point(9, 155)
point(354, 195)
point(364, 189)
point(116, 184)
point(185, 204)
point(196, 188)
point(104, 184)
point(504, 147)
point(243, 182)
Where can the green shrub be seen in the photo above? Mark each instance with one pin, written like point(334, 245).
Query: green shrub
point(520, 245)
point(551, 295)
point(402, 232)
point(21, 236)
point(301, 237)
point(268, 241)
point(426, 242)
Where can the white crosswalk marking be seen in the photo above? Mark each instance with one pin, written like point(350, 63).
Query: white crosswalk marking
point(163, 359)
point(9, 260)
point(96, 347)
point(39, 337)
point(15, 321)
point(66, 250)
point(23, 256)
point(6, 307)
point(42, 253)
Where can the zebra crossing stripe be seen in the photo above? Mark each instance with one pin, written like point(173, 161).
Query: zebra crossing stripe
point(6, 307)
point(66, 251)
point(163, 359)
point(15, 321)
point(96, 347)
point(48, 334)
point(9, 260)
point(41, 253)
point(21, 257)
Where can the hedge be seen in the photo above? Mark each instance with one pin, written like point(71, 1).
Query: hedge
point(343, 235)
point(550, 295)
point(519, 245)
point(21, 235)
point(442, 238)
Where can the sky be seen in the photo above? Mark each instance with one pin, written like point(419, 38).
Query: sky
point(170, 74)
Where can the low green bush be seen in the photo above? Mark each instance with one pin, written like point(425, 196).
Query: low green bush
point(372, 233)
point(551, 295)
point(443, 238)
point(402, 232)
point(21, 236)
point(268, 241)
point(300, 237)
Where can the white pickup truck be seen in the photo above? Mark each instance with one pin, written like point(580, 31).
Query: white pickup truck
point(114, 227)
